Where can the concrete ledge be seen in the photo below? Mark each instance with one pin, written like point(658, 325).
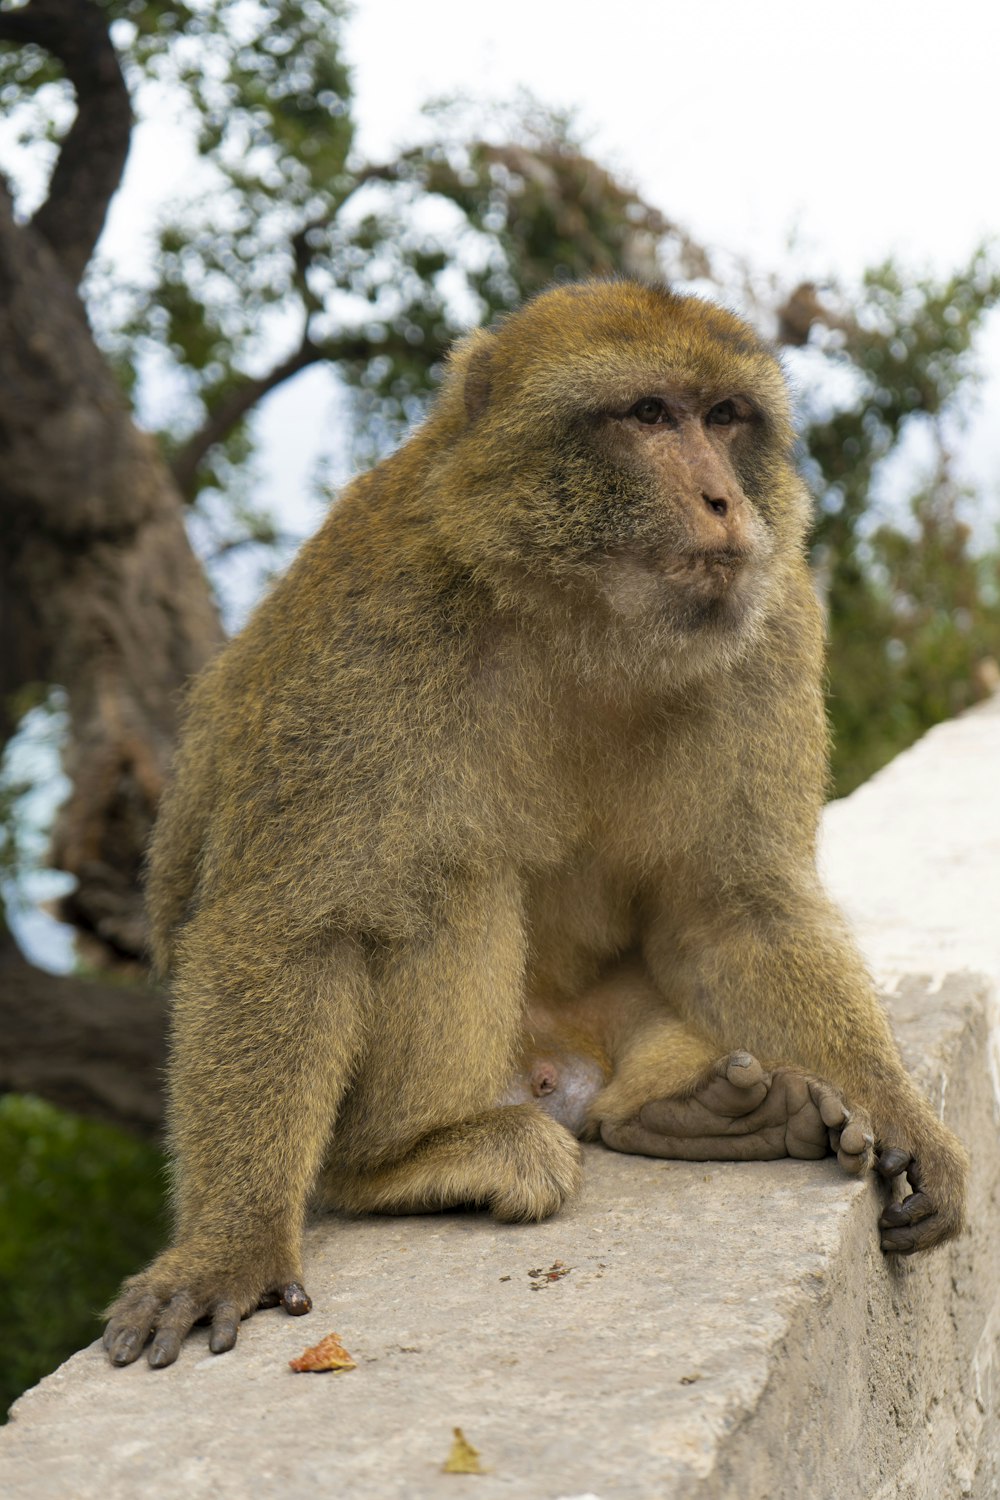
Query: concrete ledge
point(725, 1331)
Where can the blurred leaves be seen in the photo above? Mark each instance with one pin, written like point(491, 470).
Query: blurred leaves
point(913, 595)
point(82, 1206)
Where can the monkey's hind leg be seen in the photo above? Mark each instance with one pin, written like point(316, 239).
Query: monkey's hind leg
point(673, 1096)
point(514, 1160)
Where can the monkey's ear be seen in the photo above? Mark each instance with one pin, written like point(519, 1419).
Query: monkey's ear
point(478, 375)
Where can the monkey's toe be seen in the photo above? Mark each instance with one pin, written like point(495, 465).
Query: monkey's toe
point(849, 1130)
point(740, 1112)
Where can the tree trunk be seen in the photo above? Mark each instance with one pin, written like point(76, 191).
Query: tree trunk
point(95, 1048)
point(100, 591)
point(101, 594)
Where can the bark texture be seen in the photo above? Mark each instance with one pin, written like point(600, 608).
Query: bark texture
point(95, 1048)
point(99, 589)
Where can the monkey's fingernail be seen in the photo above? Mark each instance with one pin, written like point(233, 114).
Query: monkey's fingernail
point(893, 1161)
point(296, 1299)
point(224, 1336)
point(166, 1347)
point(124, 1347)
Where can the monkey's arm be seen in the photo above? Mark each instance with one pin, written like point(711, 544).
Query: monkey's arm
point(265, 1034)
point(772, 969)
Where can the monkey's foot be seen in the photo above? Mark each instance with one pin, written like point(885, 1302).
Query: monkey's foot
point(935, 1210)
point(164, 1304)
point(740, 1112)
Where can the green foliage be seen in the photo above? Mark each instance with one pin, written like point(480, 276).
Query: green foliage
point(913, 603)
point(82, 1206)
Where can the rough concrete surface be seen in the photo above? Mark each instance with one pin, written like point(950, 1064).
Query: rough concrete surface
point(724, 1331)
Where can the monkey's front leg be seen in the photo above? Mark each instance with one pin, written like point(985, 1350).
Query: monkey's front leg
point(417, 1132)
point(263, 1042)
point(782, 978)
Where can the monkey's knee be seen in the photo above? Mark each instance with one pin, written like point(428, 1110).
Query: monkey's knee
point(515, 1160)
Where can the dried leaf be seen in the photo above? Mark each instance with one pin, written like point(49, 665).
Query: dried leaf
point(328, 1354)
point(545, 1276)
point(463, 1458)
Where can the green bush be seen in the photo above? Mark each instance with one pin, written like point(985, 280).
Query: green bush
point(81, 1205)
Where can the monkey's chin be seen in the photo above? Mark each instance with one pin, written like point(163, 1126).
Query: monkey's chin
point(692, 596)
point(730, 610)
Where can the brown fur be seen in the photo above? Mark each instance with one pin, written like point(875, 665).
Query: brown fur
point(527, 702)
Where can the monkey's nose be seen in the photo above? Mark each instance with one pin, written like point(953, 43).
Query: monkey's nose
point(717, 506)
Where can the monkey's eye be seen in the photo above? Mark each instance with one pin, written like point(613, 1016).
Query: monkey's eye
point(722, 414)
point(649, 410)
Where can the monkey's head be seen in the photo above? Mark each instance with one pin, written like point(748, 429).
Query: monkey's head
point(629, 445)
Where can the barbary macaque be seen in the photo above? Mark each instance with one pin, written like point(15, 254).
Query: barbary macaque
point(496, 826)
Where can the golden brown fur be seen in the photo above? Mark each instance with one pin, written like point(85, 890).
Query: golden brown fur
point(533, 698)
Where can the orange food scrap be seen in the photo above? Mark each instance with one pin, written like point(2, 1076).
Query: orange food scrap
point(328, 1354)
point(463, 1458)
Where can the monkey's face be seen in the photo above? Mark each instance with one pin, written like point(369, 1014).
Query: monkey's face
point(683, 538)
point(631, 447)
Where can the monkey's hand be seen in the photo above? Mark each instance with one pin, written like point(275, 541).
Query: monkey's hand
point(936, 1165)
point(184, 1286)
point(740, 1112)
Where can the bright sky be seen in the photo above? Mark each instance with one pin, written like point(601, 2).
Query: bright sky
point(871, 124)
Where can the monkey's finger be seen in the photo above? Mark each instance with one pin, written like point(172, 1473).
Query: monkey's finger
point(126, 1334)
point(908, 1238)
point(295, 1299)
point(912, 1210)
point(173, 1326)
point(269, 1299)
point(225, 1327)
point(893, 1161)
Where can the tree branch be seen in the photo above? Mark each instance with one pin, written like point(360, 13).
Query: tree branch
point(231, 409)
point(97, 1049)
point(93, 152)
point(241, 399)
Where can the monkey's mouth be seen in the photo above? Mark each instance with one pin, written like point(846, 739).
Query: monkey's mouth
point(709, 572)
point(695, 585)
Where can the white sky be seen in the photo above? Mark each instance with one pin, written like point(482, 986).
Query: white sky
point(872, 124)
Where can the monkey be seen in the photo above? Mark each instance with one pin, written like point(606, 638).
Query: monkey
point(496, 826)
